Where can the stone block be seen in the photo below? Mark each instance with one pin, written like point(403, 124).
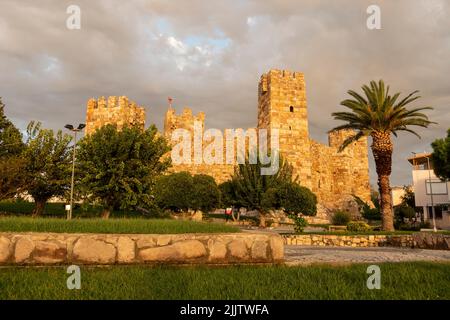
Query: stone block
point(126, 250)
point(259, 250)
point(96, 251)
point(50, 251)
point(5, 249)
point(24, 248)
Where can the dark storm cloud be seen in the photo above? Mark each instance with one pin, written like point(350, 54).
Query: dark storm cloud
point(209, 55)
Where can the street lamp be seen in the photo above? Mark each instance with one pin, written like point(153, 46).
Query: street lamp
point(75, 131)
point(431, 194)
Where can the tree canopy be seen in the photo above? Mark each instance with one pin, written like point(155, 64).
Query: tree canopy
point(10, 137)
point(48, 164)
point(441, 157)
point(12, 178)
point(119, 168)
point(180, 192)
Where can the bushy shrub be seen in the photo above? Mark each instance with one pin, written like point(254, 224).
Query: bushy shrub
point(292, 198)
point(181, 191)
point(206, 194)
point(174, 191)
point(341, 218)
point(358, 226)
point(228, 196)
point(300, 223)
point(369, 212)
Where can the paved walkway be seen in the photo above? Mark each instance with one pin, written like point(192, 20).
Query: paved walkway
point(298, 255)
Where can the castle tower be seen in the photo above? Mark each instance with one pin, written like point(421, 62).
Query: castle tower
point(114, 110)
point(282, 105)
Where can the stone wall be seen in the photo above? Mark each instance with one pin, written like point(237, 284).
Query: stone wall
point(417, 240)
point(333, 176)
point(349, 241)
point(61, 248)
point(114, 110)
point(282, 105)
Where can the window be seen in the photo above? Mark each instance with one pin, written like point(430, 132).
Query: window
point(437, 186)
point(291, 109)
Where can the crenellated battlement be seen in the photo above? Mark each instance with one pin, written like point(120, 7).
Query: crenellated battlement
point(183, 121)
point(117, 110)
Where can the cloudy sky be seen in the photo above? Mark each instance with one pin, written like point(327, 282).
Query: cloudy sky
point(210, 54)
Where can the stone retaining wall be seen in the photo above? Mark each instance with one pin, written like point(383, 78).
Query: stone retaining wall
point(61, 248)
point(349, 241)
point(417, 240)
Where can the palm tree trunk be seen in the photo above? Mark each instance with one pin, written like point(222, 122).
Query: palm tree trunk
point(387, 215)
point(382, 149)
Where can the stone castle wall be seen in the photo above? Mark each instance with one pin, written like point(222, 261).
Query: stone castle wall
point(114, 110)
point(333, 176)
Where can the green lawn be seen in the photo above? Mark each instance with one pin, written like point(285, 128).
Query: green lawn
point(122, 225)
point(398, 281)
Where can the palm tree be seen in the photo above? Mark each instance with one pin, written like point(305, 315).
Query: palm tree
point(379, 115)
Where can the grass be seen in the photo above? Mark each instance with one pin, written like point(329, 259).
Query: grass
point(123, 225)
point(398, 281)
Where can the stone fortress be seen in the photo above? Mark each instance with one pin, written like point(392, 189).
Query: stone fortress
point(117, 110)
point(334, 177)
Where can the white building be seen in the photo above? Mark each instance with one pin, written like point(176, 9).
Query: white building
point(430, 191)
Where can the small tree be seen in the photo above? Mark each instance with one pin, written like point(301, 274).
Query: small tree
point(12, 166)
point(206, 194)
point(406, 209)
point(180, 192)
point(11, 143)
point(12, 177)
point(369, 212)
point(249, 185)
point(441, 157)
point(174, 191)
point(48, 160)
point(227, 195)
point(292, 198)
point(119, 168)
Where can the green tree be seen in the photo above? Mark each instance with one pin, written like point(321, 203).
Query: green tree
point(12, 177)
point(369, 212)
point(227, 195)
point(119, 168)
point(206, 194)
point(379, 115)
point(249, 185)
point(293, 198)
point(11, 143)
point(441, 157)
point(174, 191)
point(180, 192)
point(48, 164)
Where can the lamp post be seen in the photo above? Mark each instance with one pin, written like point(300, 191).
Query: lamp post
point(431, 194)
point(75, 131)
